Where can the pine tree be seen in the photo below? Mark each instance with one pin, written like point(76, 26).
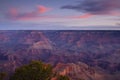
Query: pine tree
point(60, 77)
point(36, 70)
point(2, 75)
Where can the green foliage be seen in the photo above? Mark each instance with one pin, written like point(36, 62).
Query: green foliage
point(36, 70)
point(60, 77)
point(2, 75)
point(81, 79)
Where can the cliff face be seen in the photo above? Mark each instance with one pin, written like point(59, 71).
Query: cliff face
point(82, 71)
point(90, 55)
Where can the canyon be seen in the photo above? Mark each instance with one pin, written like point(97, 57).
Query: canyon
point(87, 55)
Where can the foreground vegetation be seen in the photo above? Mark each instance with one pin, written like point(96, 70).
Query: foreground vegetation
point(36, 70)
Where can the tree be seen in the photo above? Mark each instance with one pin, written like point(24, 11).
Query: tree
point(2, 75)
point(36, 70)
point(60, 77)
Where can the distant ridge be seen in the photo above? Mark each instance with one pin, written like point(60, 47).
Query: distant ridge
point(57, 27)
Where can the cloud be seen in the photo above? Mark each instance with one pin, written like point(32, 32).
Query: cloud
point(81, 17)
point(118, 24)
point(14, 14)
point(96, 7)
point(43, 9)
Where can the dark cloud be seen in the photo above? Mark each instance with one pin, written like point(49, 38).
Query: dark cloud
point(96, 7)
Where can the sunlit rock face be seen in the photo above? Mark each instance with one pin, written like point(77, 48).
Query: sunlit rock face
point(90, 55)
point(41, 45)
point(82, 71)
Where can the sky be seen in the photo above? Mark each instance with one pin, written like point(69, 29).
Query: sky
point(59, 14)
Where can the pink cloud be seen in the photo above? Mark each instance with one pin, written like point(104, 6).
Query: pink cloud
point(82, 16)
point(14, 14)
point(85, 16)
point(42, 9)
point(115, 13)
point(25, 18)
point(88, 15)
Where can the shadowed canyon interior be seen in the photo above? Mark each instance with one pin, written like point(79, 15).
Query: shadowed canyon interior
point(89, 55)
